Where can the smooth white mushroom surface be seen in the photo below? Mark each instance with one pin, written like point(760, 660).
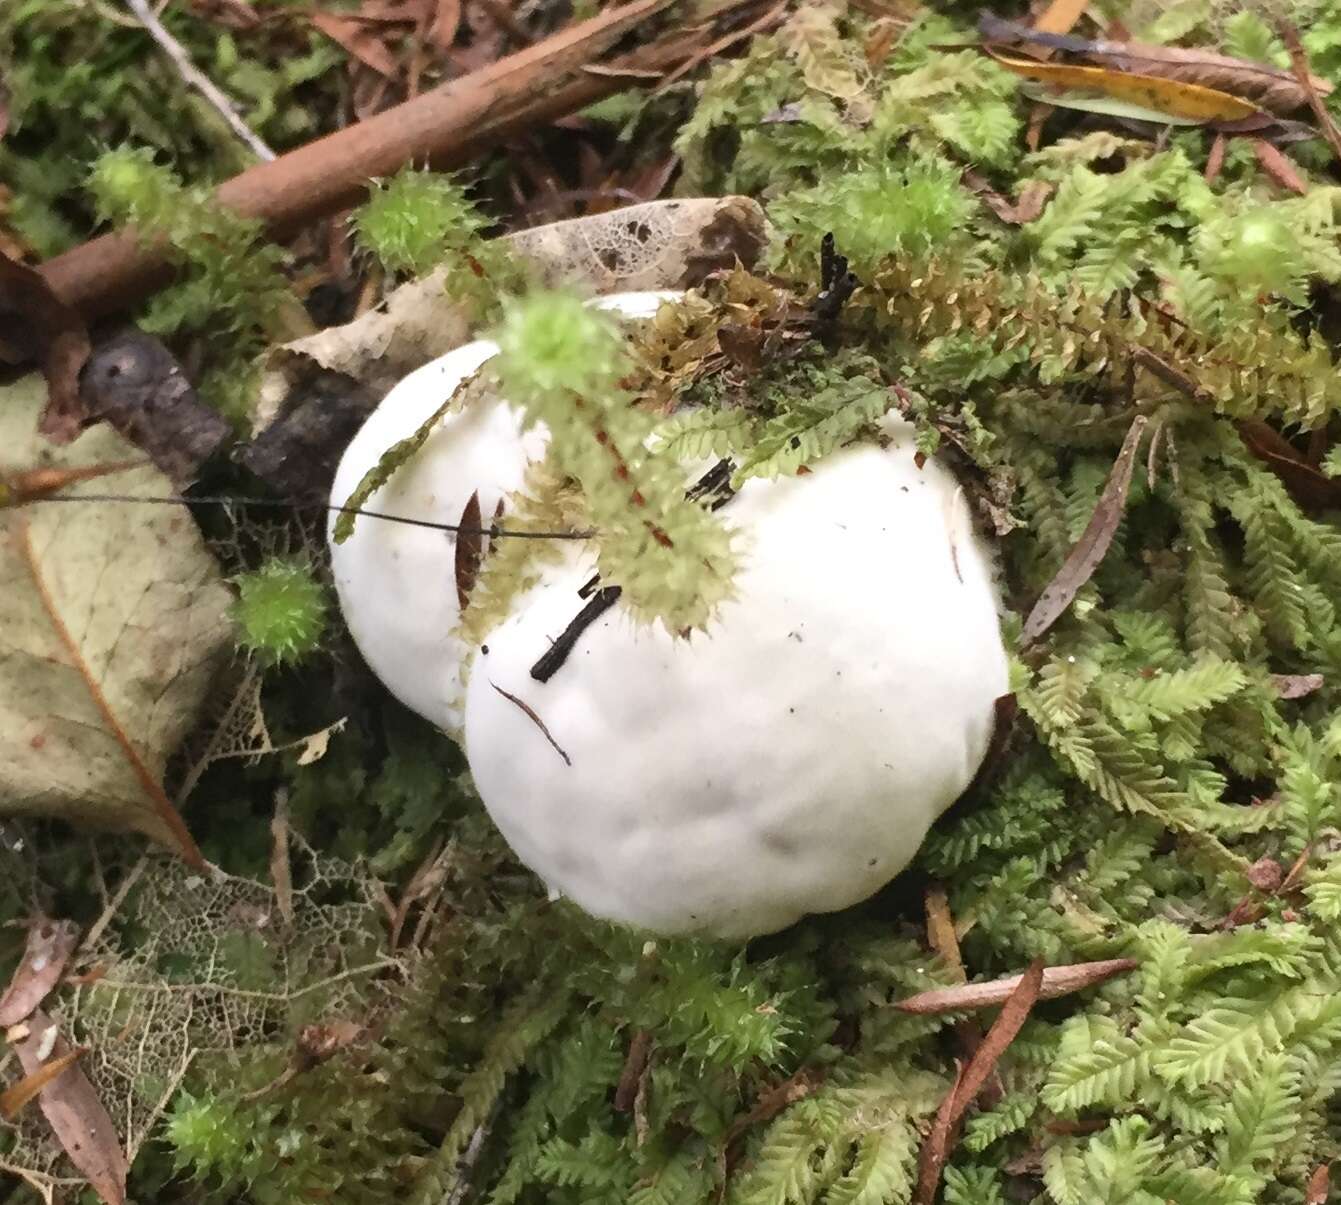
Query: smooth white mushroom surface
point(789, 761)
point(396, 582)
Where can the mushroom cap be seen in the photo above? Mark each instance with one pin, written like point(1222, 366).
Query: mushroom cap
point(396, 582)
point(790, 760)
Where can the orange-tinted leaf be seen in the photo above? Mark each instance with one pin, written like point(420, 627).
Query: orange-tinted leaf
point(1319, 1185)
point(31, 485)
point(50, 944)
point(1060, 16)
point(1174, 97)
point(13, 1099)
point(76, 1116)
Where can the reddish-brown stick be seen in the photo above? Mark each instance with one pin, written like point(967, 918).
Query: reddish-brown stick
point(445, 127)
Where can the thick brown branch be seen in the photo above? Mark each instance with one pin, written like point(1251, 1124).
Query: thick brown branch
point(444, 127)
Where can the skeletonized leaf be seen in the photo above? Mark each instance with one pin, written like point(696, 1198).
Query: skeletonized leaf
point(1173, 98)
point(114, 617)
point(72, 1108)
point(1093, 544)
point(50, 944)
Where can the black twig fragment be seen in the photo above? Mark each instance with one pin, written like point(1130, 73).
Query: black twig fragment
point(715, 484)
point(600, 602)
point(837, 284)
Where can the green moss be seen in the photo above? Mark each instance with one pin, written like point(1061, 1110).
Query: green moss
point(281, 611)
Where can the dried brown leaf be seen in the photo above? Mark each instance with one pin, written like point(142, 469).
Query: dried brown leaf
point(640, 1048)
point(1273, 89)
point(1319, 1185)
point(135, 383)
point(358, 40)
point(1093, 544)
point(1279, 167)
point(1296, 686)
point(469, 550)
point(38, 325)
point(1308, 486)
point(1215, 159)
point(75, 1113)
point(50, 944)
point(1057, 981)
point(1033, 197)
point(446, 24)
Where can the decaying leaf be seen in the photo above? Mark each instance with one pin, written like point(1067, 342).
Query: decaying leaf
point(657, 245)
point(1296, 686)
point(1093, 544)
point(74, 1112)
point(114, 617)
point(1319, 1185)
point(1308, 485)
point(357, 39)
point(1168, 97)
point(36, 324)
point(1271, 88)
point(50, 944)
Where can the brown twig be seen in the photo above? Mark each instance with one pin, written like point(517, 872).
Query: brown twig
point(445, 126)
point(1057, 981)
point(936, 1149)
point(1299, 63)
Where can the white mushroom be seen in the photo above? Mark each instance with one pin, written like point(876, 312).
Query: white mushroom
point(396, 582)
point(789, 761)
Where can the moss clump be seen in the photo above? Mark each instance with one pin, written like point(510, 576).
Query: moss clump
point(281, 611)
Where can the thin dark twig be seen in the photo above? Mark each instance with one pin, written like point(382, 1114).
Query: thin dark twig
point(492, 531)
point(600, 602)
point(530, 714)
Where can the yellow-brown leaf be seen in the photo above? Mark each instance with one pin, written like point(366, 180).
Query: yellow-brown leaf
point(1175, 97)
